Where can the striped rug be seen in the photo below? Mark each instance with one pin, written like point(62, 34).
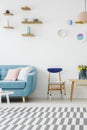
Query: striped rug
point(43, 118)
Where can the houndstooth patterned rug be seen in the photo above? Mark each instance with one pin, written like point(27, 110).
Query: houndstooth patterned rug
point(43, 118)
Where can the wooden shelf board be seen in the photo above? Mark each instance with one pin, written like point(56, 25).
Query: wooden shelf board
point(31, 22)
point(26, 8)
point(8, 14)
point(28, 35)
point(8, 27)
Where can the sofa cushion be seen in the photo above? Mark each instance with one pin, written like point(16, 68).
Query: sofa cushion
point(24, 72)
point(12, 74)
point(5, 68)
point(12, 84)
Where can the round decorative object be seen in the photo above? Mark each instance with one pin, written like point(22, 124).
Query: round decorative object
point(70, 22)
point(81, 36)
point(62, 33)
point(7, 11)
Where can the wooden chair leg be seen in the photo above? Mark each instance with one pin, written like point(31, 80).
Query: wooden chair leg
point(47, 94)
point(23, 99)
point(61, 89)
point(64, 90)
point(50, 94)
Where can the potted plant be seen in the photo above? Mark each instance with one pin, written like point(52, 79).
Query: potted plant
point(82, 71)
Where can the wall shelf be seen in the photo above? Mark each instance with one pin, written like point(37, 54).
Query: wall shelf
point(31, 22)
point(8, 27)
point(28, 35)
point(26, 21)
point(8, 14)
point(25, 8)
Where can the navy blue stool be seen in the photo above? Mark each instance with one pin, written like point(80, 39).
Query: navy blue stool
point(55, 85)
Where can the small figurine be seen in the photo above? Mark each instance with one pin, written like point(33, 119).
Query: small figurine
point(7, 11)
point(35, 20)
point(28, 30)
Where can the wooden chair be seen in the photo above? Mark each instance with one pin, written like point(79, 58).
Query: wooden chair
point(55, 85)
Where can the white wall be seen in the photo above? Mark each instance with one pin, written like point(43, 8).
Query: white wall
point(46, 49)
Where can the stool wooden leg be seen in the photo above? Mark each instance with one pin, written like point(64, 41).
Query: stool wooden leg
point(64, 91)
point(61, 90)
point(50, 94)
point(47, 94)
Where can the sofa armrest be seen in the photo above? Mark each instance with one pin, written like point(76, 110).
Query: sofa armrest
point(31, 81)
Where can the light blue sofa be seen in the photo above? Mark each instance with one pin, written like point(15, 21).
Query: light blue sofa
point(21, 88)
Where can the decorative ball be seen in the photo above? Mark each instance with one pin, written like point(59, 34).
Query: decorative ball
point(70, 22)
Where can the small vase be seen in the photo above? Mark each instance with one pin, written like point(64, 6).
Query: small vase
point(28, 30)
point(83, 74)
point(86, 74)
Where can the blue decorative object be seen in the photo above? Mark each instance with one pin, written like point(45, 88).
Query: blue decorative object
point(57, 84)
point(83, 74)
point(81, 36)
point(54, 70)
point(70, 22)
